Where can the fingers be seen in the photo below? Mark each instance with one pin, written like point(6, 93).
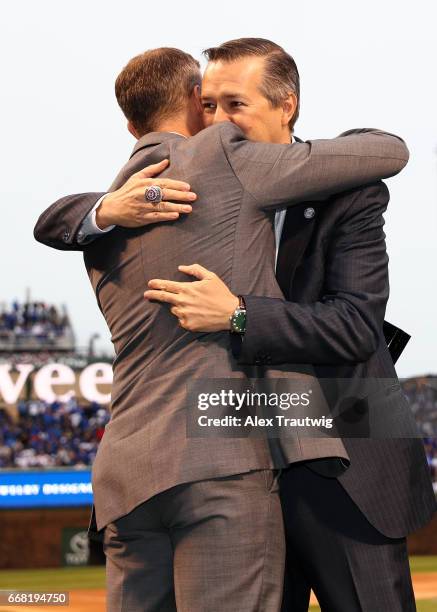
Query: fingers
point(153, 169)
point(157, 217)
point(171, 190)
point(165, 285)
point(172, 184)
point(173, 207)
point(178, 195)
point(196, 270)
point(162, 296)
point(164, 183)
point(166, 207)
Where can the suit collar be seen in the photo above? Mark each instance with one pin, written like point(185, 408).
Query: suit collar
point(156, 138)
point(153, 139)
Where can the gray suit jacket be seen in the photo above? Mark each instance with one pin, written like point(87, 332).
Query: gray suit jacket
point(240, 184)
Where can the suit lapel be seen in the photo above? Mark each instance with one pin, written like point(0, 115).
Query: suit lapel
point(296, 234)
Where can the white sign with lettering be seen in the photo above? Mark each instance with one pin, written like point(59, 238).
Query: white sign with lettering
point(56, 381)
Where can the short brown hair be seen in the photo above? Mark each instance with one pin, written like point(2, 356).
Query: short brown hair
point(156, 85)
point(280, 71)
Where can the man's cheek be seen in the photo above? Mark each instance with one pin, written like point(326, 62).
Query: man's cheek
point(208, 119)
point(247, 127)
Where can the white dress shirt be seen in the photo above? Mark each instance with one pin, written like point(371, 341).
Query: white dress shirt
point(89, 227)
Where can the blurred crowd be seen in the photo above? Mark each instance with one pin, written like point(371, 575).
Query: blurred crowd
point(431, 454)
point(47, 435)
point(422, 396)
point(32, 319)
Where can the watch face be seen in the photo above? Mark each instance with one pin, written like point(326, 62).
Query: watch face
point(239, 321)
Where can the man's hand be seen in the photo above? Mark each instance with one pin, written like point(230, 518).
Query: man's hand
point(204, 305)
point(127, 207)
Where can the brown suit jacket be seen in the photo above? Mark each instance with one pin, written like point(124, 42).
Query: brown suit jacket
point(240, 184)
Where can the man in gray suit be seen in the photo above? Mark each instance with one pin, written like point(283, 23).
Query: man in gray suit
point(184, 515)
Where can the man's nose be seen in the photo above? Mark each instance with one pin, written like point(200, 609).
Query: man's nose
point(220, 115)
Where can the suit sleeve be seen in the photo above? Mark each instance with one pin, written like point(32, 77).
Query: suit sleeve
point(345, 325)
point(279, 176)
point(58, 225)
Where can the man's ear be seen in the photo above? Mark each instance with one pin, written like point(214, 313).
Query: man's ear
point(289, 108)
point(196, 94)
point(132, 130)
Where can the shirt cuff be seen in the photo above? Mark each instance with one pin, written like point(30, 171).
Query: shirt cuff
point(89, 228)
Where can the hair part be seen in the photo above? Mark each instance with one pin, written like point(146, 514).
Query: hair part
point(156, 85)
point(281, 75)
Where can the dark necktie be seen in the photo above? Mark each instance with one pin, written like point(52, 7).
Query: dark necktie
point(283, 264)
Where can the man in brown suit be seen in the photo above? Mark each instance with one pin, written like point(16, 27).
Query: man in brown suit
point(195, 523)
